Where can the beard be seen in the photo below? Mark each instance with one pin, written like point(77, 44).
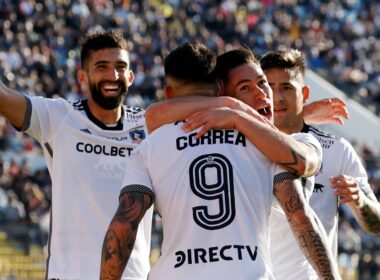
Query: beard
point(108, 102)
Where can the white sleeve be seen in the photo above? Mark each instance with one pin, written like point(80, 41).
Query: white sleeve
point(309, 139)
point(352, 166)
point(43, 117)
point(137, 177)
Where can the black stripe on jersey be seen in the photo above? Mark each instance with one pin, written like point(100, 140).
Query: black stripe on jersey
point(307, 129)
point(78, 105)
point(132, 110)
point(280, 177)
point(49, 149)
point(118, 126)
point(137, 188)
point(49, 244)
point(28, 114)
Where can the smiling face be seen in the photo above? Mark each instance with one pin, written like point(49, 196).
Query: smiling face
point(289, 95)
point(248, 83)
point(106, 76)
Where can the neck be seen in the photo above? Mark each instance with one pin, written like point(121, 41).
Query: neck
point(295, 128)
point(107, 117)
point(200, 89)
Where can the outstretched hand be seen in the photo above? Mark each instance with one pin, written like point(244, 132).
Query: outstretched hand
point(326, 111)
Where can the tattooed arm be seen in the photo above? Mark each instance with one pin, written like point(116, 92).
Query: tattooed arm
point(368, 214)
point(306, 228)
point(365, 207)
point(121, 234)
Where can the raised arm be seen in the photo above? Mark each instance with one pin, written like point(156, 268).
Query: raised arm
point(121, 234)
point(12, 105)
point(294, 156)
point(326, 111)
point(307, 229)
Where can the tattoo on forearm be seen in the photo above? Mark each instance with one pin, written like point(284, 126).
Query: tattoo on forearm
point(305, 227)
point(292, 166)
point(315, 251)
point(293, 204)
point(371, 219)
point(120, 237)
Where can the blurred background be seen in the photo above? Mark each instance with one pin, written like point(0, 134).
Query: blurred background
point(39, 55)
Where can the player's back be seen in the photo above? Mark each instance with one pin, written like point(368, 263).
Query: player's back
point(214, 195)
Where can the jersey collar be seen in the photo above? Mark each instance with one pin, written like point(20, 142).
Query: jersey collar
point(118, 126)
point(305, 128)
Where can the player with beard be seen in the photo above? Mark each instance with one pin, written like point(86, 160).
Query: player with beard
point(85, 144)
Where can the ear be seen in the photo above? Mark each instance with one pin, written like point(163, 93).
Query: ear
point(306, 93)
point(81, 76)
point(221, 87)
point(168, 92)
point(82, 79)
point(131, 77)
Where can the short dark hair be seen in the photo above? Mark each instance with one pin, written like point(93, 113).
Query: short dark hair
point(291, 59)
point(192, 62)
point(232, 59)
point(100, 40)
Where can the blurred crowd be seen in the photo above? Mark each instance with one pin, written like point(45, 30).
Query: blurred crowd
point(39, 38)
point(39, 55)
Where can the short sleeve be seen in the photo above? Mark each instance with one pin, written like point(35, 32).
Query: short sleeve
point(309, 139)
point(137, 177)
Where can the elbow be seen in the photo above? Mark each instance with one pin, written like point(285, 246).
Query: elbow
point(310, 166)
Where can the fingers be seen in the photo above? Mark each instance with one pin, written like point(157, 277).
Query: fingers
point(341, 111)
point(337, 101)
point(202, 132)
point(346, 188)
point(193, 122)
point(339, 107)
point(337, 120)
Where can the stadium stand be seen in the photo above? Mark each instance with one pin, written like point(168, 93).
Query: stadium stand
point(39, 56)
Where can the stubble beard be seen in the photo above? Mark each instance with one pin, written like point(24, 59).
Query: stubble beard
point(108, 102)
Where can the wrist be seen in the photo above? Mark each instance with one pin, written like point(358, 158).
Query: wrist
point(226, 101)
point(361, 204)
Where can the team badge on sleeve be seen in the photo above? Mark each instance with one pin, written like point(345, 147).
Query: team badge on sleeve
point(137, 134)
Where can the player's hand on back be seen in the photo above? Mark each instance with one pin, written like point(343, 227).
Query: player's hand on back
point(222, 118)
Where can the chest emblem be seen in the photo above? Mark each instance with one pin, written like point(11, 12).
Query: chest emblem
point(137, 135)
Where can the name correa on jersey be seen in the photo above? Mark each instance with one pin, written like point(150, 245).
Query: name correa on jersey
point(212, 137)
point(215, 254)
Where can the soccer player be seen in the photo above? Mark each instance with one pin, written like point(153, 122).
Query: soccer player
point(342, 178)
point(214, 192)
point(85, 144)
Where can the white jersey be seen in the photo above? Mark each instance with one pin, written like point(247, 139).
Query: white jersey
point(339, 157)
point(214, 197)
point(288, 259)
point(86, 161)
